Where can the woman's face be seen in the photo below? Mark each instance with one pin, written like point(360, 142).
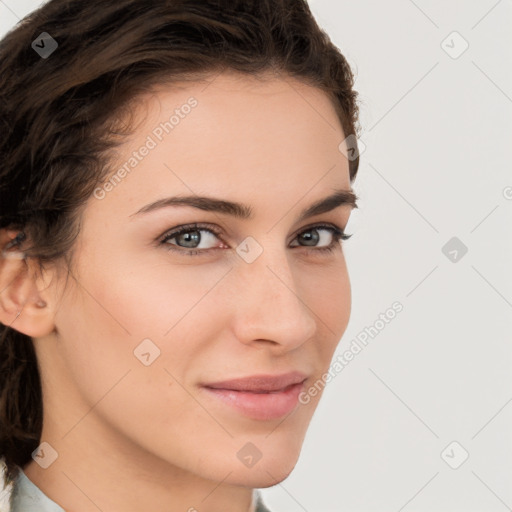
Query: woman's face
point(145, 321)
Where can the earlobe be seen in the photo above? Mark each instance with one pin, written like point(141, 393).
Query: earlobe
point(21, 306)
point(28, 321)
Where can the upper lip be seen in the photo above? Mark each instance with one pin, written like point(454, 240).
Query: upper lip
point(260, 382)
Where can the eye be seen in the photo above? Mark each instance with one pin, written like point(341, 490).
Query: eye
point(189, 238)
point(311, 237)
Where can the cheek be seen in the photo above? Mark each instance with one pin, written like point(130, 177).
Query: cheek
point(145, 298)
point(101, 328)
point(329, 297)
point(117, 306)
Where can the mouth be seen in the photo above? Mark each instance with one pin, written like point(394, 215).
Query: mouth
point(260, 383)
point(260, 397)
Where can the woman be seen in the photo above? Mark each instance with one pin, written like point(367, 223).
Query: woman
point(175, 186)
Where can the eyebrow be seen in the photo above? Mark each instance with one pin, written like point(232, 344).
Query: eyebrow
point(242, 211)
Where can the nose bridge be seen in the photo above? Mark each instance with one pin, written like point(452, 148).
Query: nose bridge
point(270, 306)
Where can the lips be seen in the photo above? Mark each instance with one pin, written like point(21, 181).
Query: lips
point(260, 383)
point(259, 397)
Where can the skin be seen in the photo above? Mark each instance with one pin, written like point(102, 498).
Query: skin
point(118, 425)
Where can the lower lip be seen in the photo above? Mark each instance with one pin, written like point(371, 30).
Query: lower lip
point(260, 406)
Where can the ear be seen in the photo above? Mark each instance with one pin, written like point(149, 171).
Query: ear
point(25, 300)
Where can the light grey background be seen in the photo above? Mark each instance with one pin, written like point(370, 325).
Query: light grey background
point(437, 127)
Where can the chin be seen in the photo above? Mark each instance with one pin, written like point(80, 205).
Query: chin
point(259, 479)
point(267, 472)
point(276, 478)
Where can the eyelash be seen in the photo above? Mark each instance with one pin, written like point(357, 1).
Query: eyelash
point(337, 233)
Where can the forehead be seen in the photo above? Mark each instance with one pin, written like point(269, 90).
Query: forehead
point(232, 135)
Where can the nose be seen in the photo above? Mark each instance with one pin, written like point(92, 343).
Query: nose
point(270, 308)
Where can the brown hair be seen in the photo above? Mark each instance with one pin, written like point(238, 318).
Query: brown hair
point(59, 115)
